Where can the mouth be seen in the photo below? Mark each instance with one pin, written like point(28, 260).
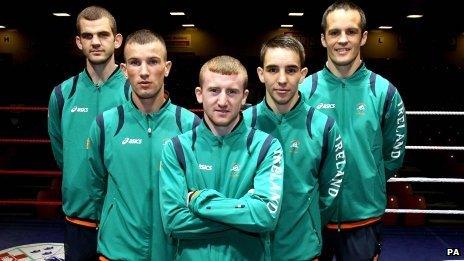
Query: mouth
point(281, 91)
point(222, 111)
point(342, 50)
point(144, 83)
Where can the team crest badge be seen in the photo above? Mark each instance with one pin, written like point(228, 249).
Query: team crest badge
point(361, 109)
point(294, 146)
point(234, 170)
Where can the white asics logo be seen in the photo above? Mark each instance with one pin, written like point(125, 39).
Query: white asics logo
point(205, 167)
point(131, 141)
point(325, 106)
point(77, 109)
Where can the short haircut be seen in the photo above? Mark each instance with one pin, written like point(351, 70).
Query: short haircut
point(285, 42)
point(145, 36)
point(93, 13)
point(345, 5)
point(225, 65)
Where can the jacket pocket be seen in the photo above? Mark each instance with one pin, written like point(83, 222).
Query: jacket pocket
point(104, 220)
point(312, 222)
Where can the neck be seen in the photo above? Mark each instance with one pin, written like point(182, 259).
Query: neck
point(99, 73)
point(221, 130)
point(282, 108)
point(344, 71)
point(149, 105)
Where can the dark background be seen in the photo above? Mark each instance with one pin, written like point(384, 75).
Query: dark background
point(425, 75)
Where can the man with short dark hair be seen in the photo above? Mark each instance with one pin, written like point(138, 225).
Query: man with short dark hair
point(73, 106)
point(372, 121)
point(125, 151)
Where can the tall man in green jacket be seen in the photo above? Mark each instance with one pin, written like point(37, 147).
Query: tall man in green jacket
point(312, 147)
point(372, 121)
point(125, 153)
point(73, 106)
point(222, 181)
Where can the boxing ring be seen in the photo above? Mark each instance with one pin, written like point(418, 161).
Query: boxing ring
point(55, 174)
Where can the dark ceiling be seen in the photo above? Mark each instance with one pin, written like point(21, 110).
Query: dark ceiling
point(232, 17)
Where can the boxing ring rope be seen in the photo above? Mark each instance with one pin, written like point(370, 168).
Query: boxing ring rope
point(429, 180)
point(425, 211)
point(51, 173)
point(26, 202)
point(23, 141)
point(23, 108)
point(449, 113)
point(434, 148)
point(25, 172)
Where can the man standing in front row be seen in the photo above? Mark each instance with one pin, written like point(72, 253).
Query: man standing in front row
point(372, 120)
point(312, 147)
point(126, 145)
point(222, 181)
point(73, 106)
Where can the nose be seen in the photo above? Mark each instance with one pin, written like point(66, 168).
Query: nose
point(343, 38)
point(282, 77)
point(222, 99)
point(144, 70)
point(95, 41)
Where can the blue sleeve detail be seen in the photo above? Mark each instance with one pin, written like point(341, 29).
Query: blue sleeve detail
point(179, 152)
point(264, 149)
point(101, 125)
point(120, 119)
point(309, 118)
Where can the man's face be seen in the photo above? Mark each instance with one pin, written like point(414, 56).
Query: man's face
point(96, 40)
point(281, 73)
point(223, 97)
point(343, 37)
point(146, 67)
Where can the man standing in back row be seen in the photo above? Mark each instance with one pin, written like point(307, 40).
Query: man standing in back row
point(372, 120)
point(73, 106)
point(312, 148)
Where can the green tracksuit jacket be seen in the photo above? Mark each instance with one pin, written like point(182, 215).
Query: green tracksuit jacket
point(239, 180)
point(73, 106)
point(125, 154)
point(371, 116)
point(314, 164)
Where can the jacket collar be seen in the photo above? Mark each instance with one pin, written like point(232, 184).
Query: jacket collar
point(361, 73)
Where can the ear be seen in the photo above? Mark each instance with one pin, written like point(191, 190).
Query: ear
point(118, 41)
point(304, 72)
point(167, 68)
point(245, 96)
point(323, 41)
point(364, 38)
point(198, 94)
point(260, 72)
point(123, 67)
point(78, 42)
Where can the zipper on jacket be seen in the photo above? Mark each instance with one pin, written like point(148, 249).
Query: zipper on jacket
point(342, 116)
point(151, 191)
point(97, 110)
point(150, 124)
point(217, 178)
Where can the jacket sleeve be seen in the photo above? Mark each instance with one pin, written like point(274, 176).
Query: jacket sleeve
point(54, 130)
point(394, 130)
point(178, 220)
point(98, 177)
point(258, 210)
point(331, 175)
